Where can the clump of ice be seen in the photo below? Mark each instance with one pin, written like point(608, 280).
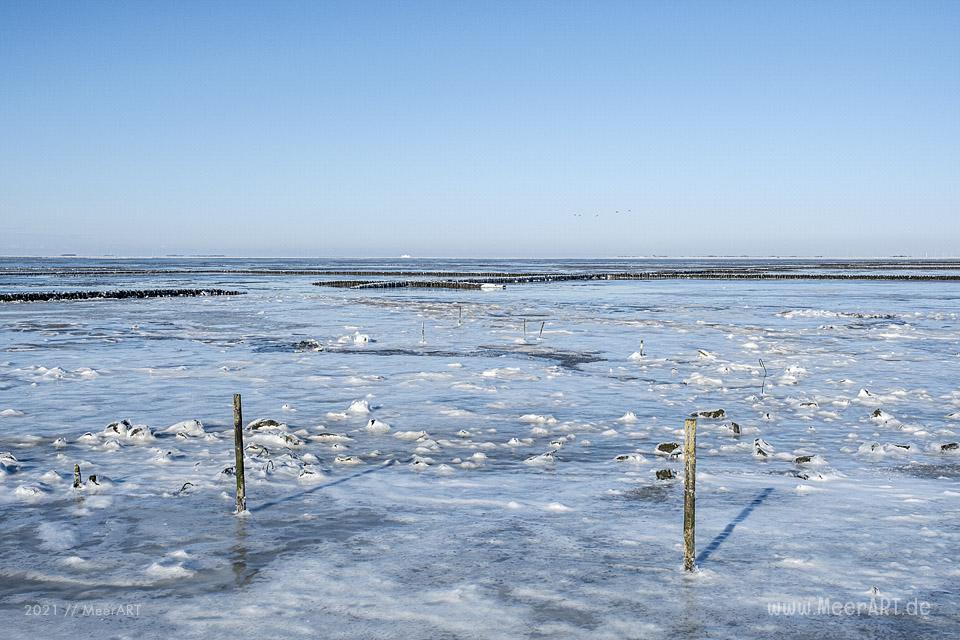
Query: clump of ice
point(192, 428)
point(881, 417)
point(326, 436)
point(356, 338)
point(8, 463)
point(409, 435)
point(163, 456)
point(700, 380)
point(377, 426)
point(792, 375)
point(878, 450)
point(419, 464)
point(170, 568)
point(310, 475)
point(508, 373)
point(541, 460)
point(536, 418)
point(39, 373)
point(125, 431)
point(29, 493)
point(359, 406)
point(762, 448)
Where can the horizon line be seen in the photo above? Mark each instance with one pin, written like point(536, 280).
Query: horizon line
point(200, 256)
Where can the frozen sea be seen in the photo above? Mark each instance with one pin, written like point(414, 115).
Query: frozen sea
point(439, 473)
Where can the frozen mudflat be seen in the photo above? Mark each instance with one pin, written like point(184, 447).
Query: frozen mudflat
point(423, 469)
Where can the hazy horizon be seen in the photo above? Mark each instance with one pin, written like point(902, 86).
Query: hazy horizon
point(122, 256)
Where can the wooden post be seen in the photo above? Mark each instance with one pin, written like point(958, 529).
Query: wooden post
point(460, 316)
point(540, 335)
point(423, 332)
point(238, 453)
point(689, 493)
point(77, 480)
point(524, 328)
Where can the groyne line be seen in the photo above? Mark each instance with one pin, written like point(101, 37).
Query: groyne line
point(49, 296)
point(651, 275)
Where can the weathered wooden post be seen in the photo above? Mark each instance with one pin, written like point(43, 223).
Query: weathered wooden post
point(77, 480)
point(540, 335)
point(689, 493)
point(238, 453)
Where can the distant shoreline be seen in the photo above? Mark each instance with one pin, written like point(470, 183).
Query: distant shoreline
point(407, 258)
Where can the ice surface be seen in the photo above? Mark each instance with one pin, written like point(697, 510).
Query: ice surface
point(474, 486)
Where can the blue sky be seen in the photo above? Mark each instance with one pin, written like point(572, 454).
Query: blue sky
point(480, 128)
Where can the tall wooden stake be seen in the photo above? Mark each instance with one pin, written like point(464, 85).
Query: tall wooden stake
point(689, 493)
point(238, 453)
point(460, 316)
point(77, 480)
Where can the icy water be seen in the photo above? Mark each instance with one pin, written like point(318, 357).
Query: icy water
point(410, 490)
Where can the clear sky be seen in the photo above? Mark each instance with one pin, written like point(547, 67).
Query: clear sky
point(459, 128)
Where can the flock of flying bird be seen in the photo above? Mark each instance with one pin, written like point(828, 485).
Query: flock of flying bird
point(597, 215)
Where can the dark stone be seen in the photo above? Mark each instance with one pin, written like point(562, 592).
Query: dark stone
point(263, 423)
point(950, 446)
point(669, 447)
point(803, 459)
point(719, 414)
point(665, 474)
point(308, 345)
